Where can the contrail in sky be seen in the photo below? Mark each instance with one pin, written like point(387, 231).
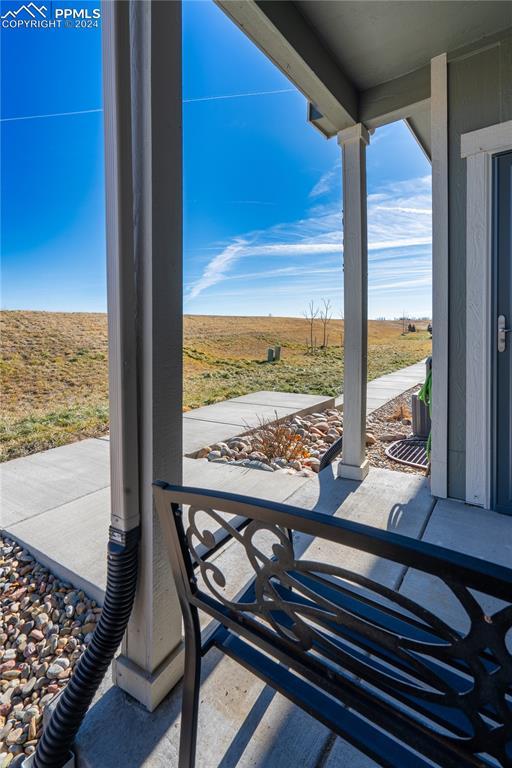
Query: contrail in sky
point(54, 114)
point(185, 101)
point(240, 95)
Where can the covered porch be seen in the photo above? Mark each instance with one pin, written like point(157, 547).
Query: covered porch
point(142, 61)
point(135, 721)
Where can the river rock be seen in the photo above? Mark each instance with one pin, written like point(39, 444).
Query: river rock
point(15, 736)
point(390, 437)
point(28, 687)
point(255, 464)
point(55, 671)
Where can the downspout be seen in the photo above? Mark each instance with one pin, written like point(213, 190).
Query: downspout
point(54, 747)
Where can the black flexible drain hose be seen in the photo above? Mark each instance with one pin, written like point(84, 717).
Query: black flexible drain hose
point(331, 454)
point(58, 736)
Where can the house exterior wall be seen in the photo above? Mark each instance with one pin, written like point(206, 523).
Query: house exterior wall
point(479, 95)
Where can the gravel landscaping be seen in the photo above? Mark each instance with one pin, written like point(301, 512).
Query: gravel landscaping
point(293, 446)
point(45, 625)
point(296, 445)
point(389, 423)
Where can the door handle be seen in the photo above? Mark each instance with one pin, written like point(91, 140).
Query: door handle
point(502, 333)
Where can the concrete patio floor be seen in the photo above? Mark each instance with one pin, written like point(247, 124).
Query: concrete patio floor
point(242, 722)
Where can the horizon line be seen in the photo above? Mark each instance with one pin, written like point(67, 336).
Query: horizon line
point(380, 318)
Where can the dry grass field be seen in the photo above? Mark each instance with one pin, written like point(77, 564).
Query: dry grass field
point(53, 368)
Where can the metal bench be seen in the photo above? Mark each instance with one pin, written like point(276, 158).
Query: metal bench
point(378, 669)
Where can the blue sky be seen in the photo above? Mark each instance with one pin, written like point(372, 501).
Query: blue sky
point(262, 188)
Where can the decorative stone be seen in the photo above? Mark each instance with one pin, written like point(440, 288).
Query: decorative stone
point(42, 669)
point(32, 728)
point(45, 700)
point(30, 650)
point(11, 674)
point(390, 437)
point(15, 736)
point(6, 730)
point(62, 662)
point(54, 672)
point(30, 713)
point(28, 687)
point(219, 446)
point(255, 464)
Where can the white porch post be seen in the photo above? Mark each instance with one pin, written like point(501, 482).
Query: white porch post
point(353, 142)
point(142, 83)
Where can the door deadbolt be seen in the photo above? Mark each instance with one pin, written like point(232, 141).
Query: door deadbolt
point(502, 333)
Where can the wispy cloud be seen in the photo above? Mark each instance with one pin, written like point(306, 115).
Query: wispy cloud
point(218, 267)
point(327, 181)
point(398, 218)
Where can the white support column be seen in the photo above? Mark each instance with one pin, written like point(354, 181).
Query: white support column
point(440, 274)
point(353, 141)
point(142, 85)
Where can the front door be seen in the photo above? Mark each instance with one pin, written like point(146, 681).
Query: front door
point(502, 178)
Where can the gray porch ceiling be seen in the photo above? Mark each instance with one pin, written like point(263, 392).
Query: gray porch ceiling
point(366, 60)
point(374, 41)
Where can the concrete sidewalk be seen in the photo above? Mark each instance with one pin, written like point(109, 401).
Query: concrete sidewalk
point(219, 422)
point(380, 391)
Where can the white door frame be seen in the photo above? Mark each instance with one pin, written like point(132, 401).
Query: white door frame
point(478, 147)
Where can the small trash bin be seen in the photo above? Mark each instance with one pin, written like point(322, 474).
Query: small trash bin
point(421, 422)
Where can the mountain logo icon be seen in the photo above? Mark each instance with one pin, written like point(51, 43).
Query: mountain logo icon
point(32, 10)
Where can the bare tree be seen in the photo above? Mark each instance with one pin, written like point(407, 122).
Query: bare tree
point(325, 317)
point(311, 313)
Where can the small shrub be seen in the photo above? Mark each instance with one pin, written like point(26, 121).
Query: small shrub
point(400, 413)
point(278, 440)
